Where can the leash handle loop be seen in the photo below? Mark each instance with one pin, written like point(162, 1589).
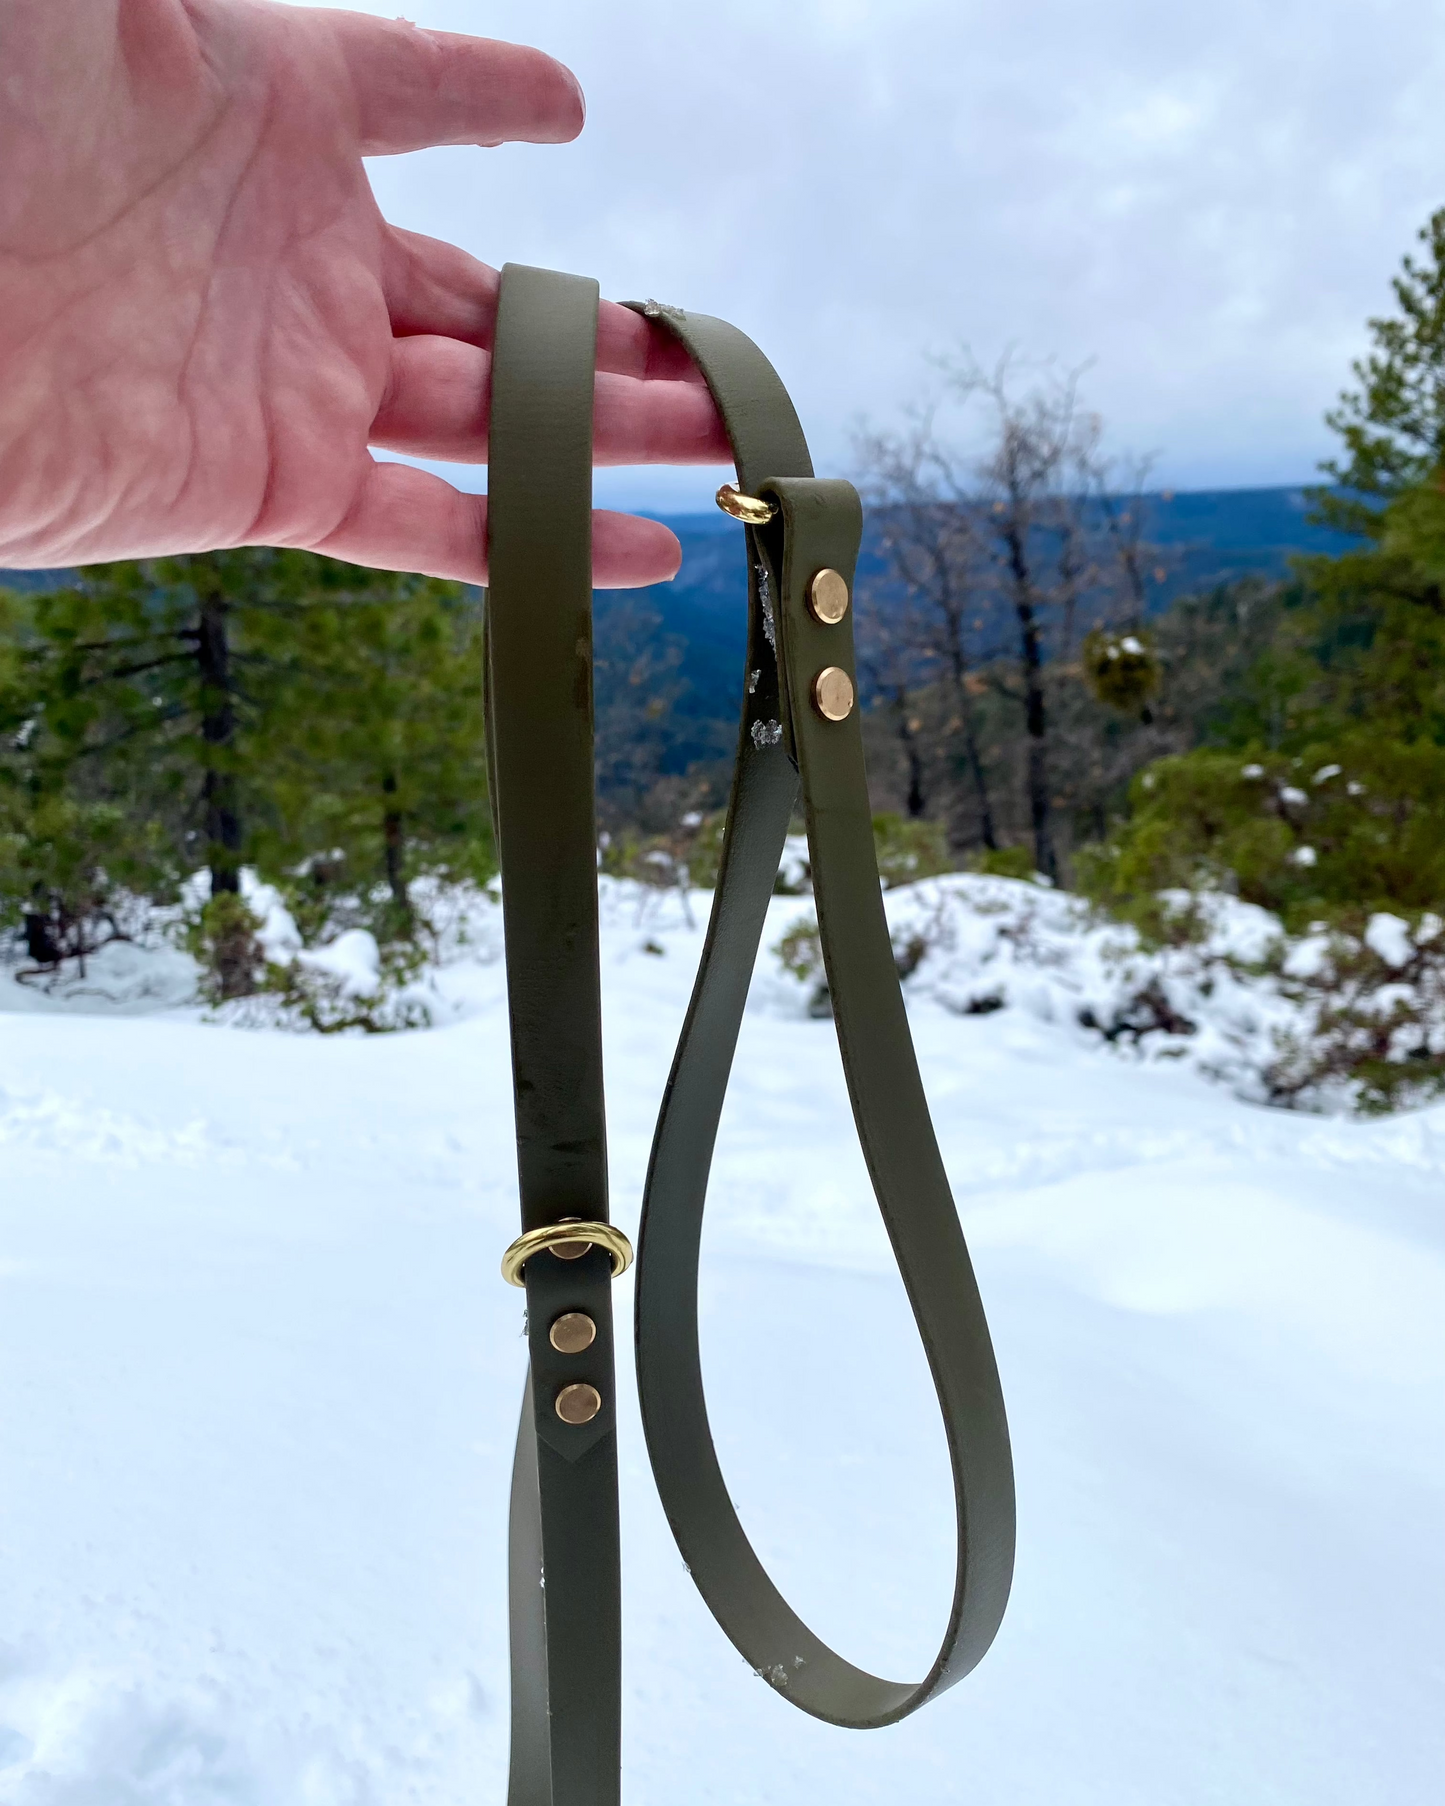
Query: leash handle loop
point(800, 720)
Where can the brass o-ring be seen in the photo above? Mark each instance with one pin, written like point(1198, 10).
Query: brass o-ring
point(568, 1235)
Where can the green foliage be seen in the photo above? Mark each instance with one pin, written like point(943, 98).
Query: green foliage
point(1004, 862)
point(1413, 531)
point(800, 950)
point(149, 691)
point(1346, 828)
point(689, 856)
point(60, 859)
point(908, 850)
point(1367, 645)
point(66, 850)
point(1326, 801)
point(223, 937)
point(376, 765)
point(686, 858)
point(1366, 649)
point(327, 1005)
point(704, 854)
point(1121, 669)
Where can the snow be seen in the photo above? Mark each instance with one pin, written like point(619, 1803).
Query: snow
point(353, 958)
point(259, 1379)
point(1389, 936)
point(1310, 956)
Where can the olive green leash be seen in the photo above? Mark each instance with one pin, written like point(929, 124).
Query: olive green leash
point(800, 730)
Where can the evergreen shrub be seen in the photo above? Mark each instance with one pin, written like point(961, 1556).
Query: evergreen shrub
point(1334, 833)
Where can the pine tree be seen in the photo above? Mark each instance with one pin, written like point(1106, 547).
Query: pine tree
point(68, 850)
point(1393, 424)
point(378, 762)
point(1372, 634)
point(271, 708)
point(139, 677)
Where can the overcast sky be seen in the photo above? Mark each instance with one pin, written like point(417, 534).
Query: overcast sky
point(1207, 200)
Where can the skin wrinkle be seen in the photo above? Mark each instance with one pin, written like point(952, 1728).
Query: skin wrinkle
point(184, 155)
point(131, 205)
point(187, 410)
point(369, 145)
point(444, 58)
point(420, 300)
point(73, 478)
point(263, 512)
point(290, 249)
point(271, 437)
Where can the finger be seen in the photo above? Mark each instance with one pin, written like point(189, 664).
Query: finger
point(415, 88)
point(630, 344)
point(408, 520)
point(433, 287)
point(435, 406)
point(642, 420)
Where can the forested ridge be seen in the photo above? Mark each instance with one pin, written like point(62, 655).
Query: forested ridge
point(1065, 679)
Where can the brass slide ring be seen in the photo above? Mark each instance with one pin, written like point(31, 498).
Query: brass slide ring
point(569, 1240)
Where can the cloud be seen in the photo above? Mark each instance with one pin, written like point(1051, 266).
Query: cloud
point(1205, 200)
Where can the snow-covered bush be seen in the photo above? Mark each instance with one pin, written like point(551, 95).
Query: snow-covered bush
point(254, 969)
point(1370, 1013)
point(1321, 1020)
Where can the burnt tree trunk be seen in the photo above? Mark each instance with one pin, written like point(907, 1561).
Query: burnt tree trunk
point(900, 703)
point(1035, 714)
point(394, 853)
point(972, 757)
point(973, 763)
point(218, 734)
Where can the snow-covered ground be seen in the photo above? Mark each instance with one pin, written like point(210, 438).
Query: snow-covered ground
point(259, 1380)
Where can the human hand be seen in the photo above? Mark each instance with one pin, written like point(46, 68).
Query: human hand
point(204, 319)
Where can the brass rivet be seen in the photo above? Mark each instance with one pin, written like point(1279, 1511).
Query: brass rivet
point(578, 1404)
point(572, 1332)
point(833, 693)
point(828, 598)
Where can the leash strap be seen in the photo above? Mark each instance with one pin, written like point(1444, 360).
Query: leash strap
point(800, 721)
point(564, 1581)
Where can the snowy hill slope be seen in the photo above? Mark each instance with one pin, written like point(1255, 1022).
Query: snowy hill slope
point(259, 1380)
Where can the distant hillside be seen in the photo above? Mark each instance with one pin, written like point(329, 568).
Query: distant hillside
point(682, 643)
point(1207, 537)
point(33, 579)
point(1217, 534)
